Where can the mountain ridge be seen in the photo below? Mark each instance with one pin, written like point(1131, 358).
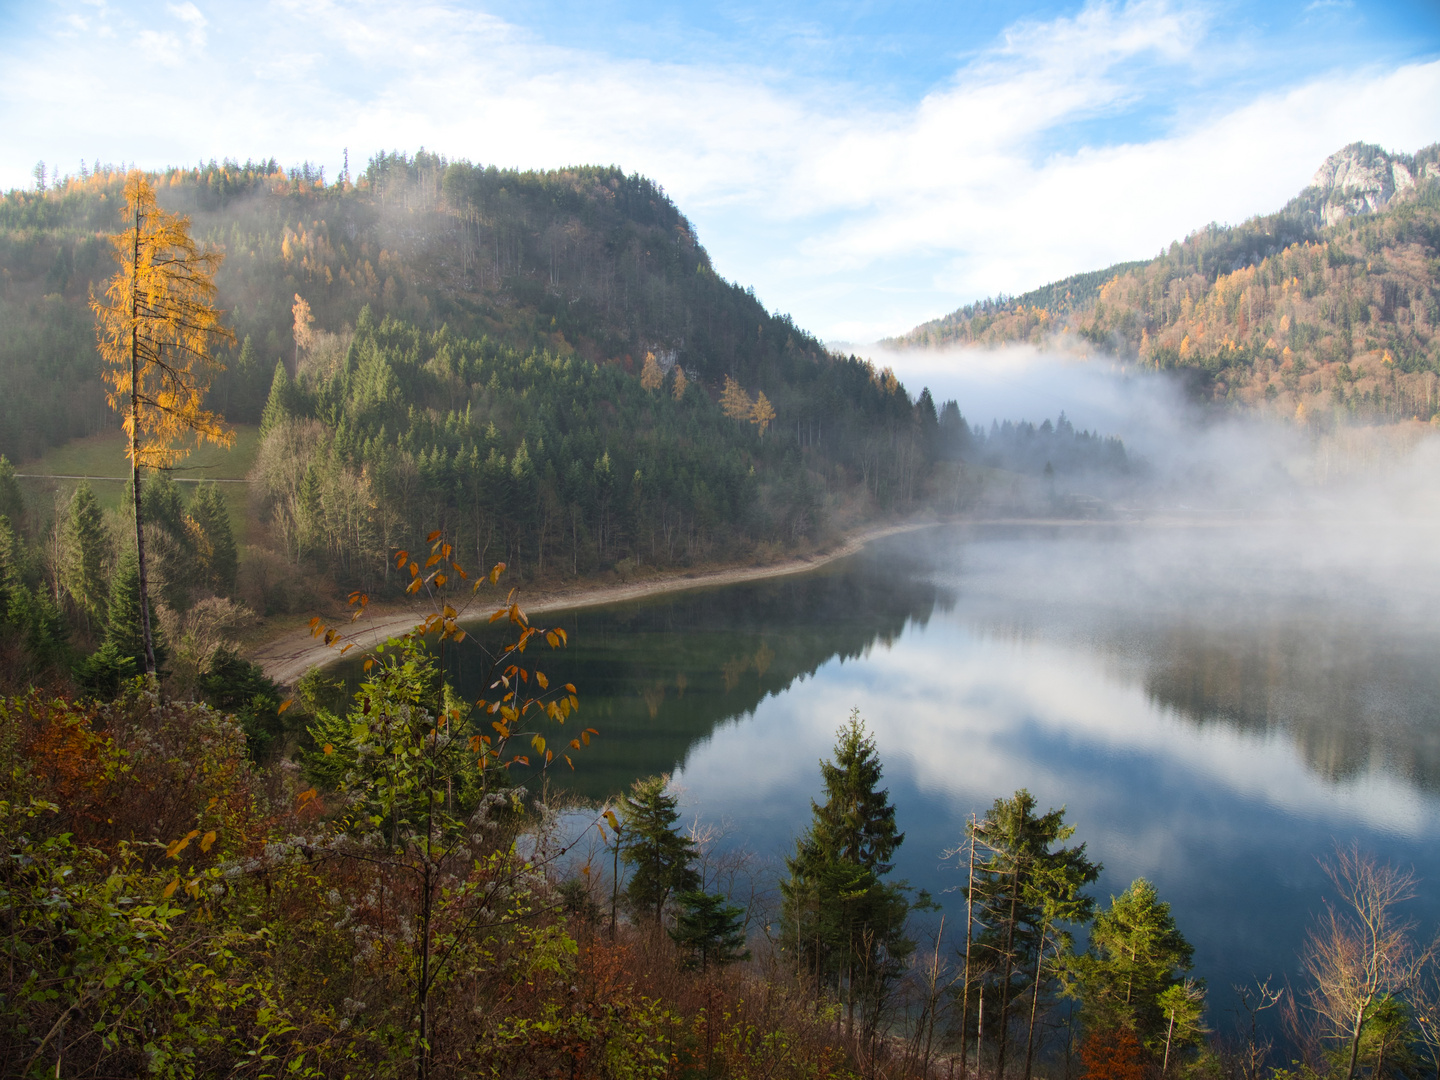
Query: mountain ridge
point(1330, 306)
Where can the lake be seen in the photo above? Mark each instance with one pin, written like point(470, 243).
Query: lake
point(1216, 707)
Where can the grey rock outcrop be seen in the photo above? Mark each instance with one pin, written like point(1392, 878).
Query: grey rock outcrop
point(1363, 179)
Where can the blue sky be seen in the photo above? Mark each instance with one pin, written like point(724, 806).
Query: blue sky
point(864, 166)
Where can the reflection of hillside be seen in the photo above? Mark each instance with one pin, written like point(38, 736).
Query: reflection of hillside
point(1351, 697)
point(657, 677)
point(1350, 692)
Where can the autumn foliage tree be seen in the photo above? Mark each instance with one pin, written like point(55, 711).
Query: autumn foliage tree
point(155, 323)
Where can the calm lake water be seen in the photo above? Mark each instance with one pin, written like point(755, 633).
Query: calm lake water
point(1216, 708)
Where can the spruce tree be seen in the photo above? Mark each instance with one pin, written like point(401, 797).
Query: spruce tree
point(217, 542)
point(711, 930)
point(856, 821)
point(12, 500)
point(277, 406)
point(124, 630)
point(659, 856)
point(1136, 955)
point(84, 544)
point(11, 569)
point(843, 925)
point(1026, 890)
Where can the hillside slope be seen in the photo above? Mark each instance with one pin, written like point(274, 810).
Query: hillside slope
point(544, 365)
point(1331, 305)
point(586, 261)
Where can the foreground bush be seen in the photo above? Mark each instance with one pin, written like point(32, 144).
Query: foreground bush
point(168, 909)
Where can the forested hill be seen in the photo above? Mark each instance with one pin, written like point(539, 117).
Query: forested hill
point(1329, 307)
point(545, 365)
point(585, 262)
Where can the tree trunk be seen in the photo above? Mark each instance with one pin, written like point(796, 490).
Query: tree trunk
point(969, 929)
point(1355, 1041)
point(1009, 971)
point(1034, 1004)
point(150, 665)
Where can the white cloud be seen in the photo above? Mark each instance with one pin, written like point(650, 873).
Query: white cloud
point(190, 15)
point(859, 219)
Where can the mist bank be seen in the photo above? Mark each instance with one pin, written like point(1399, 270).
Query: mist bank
point(1180, 455)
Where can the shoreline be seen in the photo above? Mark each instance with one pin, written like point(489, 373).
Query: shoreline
point(286, 657)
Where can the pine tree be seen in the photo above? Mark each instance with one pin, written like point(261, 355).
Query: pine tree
point(658, 855)
point(85, 542)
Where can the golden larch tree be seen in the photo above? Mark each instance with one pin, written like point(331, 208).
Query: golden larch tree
point(304, 328)
point(651, 376)
point(735, 401)
point(762, 412)
point(155, 324)
point(680, 383)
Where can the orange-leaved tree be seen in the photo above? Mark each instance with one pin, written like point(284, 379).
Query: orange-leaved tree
point(155, 324)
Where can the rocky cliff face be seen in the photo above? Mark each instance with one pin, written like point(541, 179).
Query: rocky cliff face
point(1362, 179)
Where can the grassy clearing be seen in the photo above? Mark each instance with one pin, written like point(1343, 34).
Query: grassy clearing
point(102, 459)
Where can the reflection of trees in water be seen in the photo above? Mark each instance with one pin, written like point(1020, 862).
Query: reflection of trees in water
point(1352, 693)
point(1221, 629)
point(657, 677)
point(1352, 697)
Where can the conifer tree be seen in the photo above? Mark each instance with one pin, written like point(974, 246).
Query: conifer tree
point(85, 541)
point(124, 628)
point(856, 821)
point(218, 555)
point(843, 925)
point(735, 401)
point(1025, 890)
point(711, 930)
point(1136, 955)
point(155, 325)
point(277, 405)
point(11, 570)
point(659, 856)
point(762, 412)
point(651, 376)
point(12, 500)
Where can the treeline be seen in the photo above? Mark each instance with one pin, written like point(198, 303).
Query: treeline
point(1280, 312)
point(1053, 448)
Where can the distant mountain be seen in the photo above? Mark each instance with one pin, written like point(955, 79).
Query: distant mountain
point(1330, 307)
